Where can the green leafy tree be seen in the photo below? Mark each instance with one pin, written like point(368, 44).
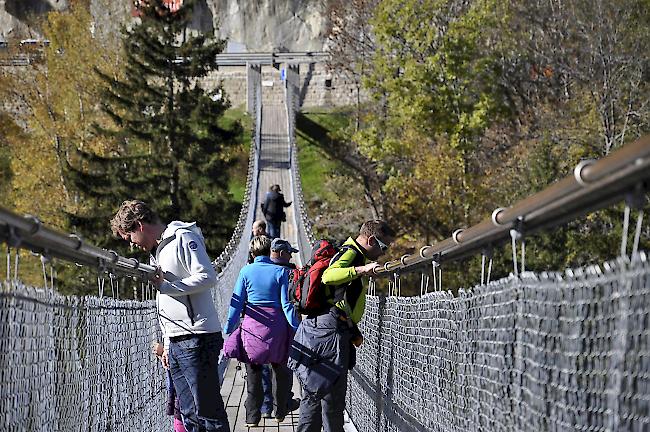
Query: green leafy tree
point(437, 91)
point(475, 105)
point(170, 148)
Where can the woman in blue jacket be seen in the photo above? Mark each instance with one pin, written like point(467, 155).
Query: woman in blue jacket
point(267, 328)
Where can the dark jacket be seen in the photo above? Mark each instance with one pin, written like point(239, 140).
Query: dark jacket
point(273, 207)
point(320, 353)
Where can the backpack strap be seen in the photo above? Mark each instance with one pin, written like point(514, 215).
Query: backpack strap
point(162, 245)
point(159, 249)
point(343, 249)
point(166, 241)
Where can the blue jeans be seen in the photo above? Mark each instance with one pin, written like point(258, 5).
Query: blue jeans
point(273, 227)
point(267, 405)
point(193, 362)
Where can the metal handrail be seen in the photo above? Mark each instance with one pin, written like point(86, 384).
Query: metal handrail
point(29, 233)
point(271, 58)
point(594, 185)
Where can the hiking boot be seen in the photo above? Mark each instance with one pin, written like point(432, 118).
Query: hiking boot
point(279, 419)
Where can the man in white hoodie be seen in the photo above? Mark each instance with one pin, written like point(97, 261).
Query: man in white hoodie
point(188, 318)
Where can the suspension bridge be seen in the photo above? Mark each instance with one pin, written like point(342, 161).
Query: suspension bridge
point(554, 351)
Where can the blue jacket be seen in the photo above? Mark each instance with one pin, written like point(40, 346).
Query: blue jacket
point(261, 283)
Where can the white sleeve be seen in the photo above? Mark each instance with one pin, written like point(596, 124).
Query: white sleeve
point(193, 257)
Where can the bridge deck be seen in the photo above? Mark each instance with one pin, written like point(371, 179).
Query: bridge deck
point(274, 169)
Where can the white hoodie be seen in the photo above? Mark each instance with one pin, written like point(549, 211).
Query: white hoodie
point(184, 301)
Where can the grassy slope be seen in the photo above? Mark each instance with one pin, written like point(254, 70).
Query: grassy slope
point(315, 165)
point(237, 182)
point(332, 195)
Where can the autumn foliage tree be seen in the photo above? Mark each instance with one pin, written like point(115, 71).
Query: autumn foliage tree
point(51, 108)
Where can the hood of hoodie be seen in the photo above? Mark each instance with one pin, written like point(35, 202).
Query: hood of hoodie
point(176, 225)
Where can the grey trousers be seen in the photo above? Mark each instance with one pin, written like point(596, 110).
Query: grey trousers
point(326, 413)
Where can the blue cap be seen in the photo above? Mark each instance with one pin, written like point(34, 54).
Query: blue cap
point(279, 244)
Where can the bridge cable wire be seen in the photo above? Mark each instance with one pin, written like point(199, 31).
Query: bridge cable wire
point(16, 263)
point(44, 271)
point(483, 269)
point(433, 275)
point(8, 262)
point(489, 271)
point(637, 235)
point(424, 283)
point(100, 286)
point(626, 227)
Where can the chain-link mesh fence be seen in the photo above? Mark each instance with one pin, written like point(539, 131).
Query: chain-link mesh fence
point(78, 363)
point(544, 352)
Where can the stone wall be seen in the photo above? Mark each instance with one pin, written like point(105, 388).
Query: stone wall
point(318, 87)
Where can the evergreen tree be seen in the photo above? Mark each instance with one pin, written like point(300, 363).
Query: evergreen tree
point(172, 152)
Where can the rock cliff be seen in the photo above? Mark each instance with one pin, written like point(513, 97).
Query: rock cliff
point(249, 25)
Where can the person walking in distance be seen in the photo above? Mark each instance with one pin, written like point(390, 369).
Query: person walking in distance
point(258, 229)
point(188, 318)
point(273, 210)
point(324, 348)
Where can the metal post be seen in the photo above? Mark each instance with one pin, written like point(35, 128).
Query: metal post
point(253, 81)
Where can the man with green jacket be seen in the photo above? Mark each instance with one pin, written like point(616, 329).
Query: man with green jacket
point(324, 346)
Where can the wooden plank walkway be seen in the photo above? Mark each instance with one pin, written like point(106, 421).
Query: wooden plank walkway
point(275, 165)
point(274, 169)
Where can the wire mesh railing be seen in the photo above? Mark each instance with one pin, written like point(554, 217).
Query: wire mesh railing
point(554, 351)
point(78, 363)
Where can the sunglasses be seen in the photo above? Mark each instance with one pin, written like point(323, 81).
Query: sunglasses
point(383, 246)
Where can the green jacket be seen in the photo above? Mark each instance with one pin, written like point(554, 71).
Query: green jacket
point(349, 292)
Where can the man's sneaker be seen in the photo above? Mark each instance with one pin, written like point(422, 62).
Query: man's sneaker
point(267, 415)
point(294, 404)
point(279, 419)
point(250, 425)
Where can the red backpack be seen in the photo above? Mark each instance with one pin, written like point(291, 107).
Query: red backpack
point(308, 293)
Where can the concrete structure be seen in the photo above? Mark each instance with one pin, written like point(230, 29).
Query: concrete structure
point(316, 85)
